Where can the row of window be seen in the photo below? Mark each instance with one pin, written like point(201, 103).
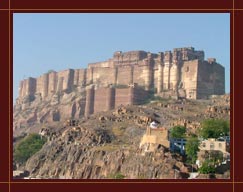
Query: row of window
point(212, 145)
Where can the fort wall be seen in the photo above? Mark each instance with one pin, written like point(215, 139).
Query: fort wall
point(182, 69)
point(110, 100)
point(189, 73)
point(139, 73)
point(43, 84)
point(104, 99)
point(103, 76)
point(89, 104)
point(76, 77)
point(167, 68)
point(66, 79)
point(82, 81)
point(21, 88)
point(52, 83)
point(103, 64)
point(129, 58)
point(160, 78)
point(124, 75)
point(27, 87)
point(89, 76)
point(139, 95)
point(124, 97)
point(210, 79)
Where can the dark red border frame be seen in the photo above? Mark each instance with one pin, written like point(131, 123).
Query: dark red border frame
point(125, 4)
point(4, 187)
point(4, 4)
point(238, 4)
point(123, 187)
point(157, 6)
point(238, 95)
point(4, 109)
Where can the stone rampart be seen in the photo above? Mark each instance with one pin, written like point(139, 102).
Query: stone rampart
point(182, 69)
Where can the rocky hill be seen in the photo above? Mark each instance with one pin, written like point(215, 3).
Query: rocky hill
point(106, 144)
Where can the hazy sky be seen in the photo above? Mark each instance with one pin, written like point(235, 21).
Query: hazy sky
point(59, 41)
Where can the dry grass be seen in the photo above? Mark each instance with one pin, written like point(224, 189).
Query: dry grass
point(118, 131)
point(108, 148)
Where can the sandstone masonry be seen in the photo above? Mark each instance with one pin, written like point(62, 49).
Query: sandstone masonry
point(127, 77)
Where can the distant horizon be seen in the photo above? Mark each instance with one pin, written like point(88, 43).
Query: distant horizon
point(57, 41)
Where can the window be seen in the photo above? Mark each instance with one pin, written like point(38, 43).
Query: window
point(220, 145)
point(211, 146)
point(187, 69)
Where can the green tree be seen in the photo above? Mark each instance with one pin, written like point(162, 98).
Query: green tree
point(116, 176)
point(207, 167)
point(214, 128)
point(119, 176)
point(28, 147)
point(177, 132)
point(192, 147)
point(215, 157)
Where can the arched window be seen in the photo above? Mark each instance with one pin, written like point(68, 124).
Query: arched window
point(211, 146)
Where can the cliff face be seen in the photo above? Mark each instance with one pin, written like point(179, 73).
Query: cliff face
point(103, 147)
point(77, 162)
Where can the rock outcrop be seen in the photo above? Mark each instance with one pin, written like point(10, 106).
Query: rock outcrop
point(107, 144)
point(78, 152)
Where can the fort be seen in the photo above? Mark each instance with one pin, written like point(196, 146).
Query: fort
point(129, 77)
